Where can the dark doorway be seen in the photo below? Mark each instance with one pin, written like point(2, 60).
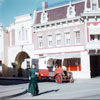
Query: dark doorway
point(20, 59)
point(95, 65)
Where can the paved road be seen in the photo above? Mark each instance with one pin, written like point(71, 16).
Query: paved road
point(80, 89)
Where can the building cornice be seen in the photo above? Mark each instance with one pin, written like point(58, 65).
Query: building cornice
point(90, 14)
point(57, 21)
point(26, 15)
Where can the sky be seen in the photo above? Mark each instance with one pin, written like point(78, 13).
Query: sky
point(9, 9)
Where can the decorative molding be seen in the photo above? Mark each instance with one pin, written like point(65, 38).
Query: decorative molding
point(70, 11)
point(76, 29)
point(44, 17)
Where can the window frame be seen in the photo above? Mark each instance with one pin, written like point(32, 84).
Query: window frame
point(40, 42)
point(66, 34)
point(50, 40)
point(58, 40)
point(77, 38)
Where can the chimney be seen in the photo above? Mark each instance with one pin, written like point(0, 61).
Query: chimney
point(44, 5)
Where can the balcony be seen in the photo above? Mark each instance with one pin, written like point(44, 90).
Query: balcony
point(93, 46)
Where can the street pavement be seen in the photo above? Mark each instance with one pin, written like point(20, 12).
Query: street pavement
point(80, 89)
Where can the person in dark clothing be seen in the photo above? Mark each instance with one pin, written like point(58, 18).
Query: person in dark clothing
point(33, 81)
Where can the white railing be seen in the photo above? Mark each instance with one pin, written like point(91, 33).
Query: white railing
point(93, 44)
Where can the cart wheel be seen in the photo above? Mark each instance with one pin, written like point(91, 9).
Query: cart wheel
point(58, 78)
point(71, 79)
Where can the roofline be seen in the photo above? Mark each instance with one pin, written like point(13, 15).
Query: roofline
point(56, 21)
point(74, 2)
point(25, 15)
point(90, 14)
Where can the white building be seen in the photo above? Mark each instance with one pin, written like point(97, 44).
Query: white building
point(20, 44)
point(3, 52)
point(1, 49)
point(69, 31)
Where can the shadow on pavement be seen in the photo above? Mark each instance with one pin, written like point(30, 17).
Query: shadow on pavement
point(12, 81)
point(49, 91)
point(14, 95)
point(24, 92)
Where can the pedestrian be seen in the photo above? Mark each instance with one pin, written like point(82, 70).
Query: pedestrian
point(33, 81)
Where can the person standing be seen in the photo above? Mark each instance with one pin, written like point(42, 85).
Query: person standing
point(33, 81)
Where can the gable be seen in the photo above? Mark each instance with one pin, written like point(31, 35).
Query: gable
point(59, 13)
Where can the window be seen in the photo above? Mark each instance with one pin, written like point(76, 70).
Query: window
point(23, 34)
point(26, 35)
point(92, 37)
point(94, 4)
point(95, 37)
point(50, 41)
point(72, 64)
point(44, 17)
point(40, 41)
point(77, 36)
point(19, 35)
point(67, 38)
point(28, 64)
point(70, 11)
point(58, 40)
point(98, 37)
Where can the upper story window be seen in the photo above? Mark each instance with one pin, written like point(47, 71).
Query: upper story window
point(44, 17)
point(19, 35)
point(77, 37)
point(49, 40)
point(23, 34)
point(58, 39)
point(26, 35)
point(94, 4)
point(67, 38)
point(71, 11)
point(95, 37)
point(40, 41)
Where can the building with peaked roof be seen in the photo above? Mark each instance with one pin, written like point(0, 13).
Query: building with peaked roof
point(69, 31)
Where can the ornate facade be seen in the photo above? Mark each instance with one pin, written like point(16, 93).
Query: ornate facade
point(69, 31)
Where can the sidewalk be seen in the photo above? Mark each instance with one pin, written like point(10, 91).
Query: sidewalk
point(14, 78)
point(11, 91)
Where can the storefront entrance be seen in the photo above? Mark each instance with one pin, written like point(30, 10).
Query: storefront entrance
point(95, 65)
